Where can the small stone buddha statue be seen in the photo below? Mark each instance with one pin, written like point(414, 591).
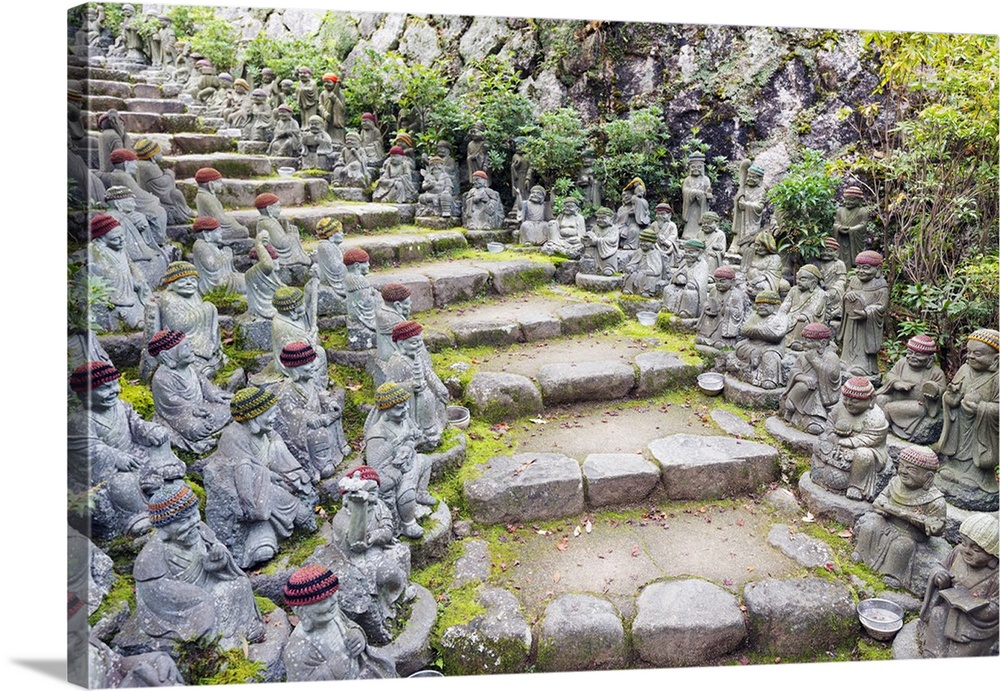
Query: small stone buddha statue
point(161, 183)
point(686, 294)
point(764, 270)
point(207, 202)
point(748, 211)
point(352, 169)
point(566, 231)
point(141, 247)
point(437, 196)
point(112, 136)
point(666, 237)
point(696, 193)
point(213, 260)
point(833, 277)
point(644, 272)
point(395, 183)
point(482, 208)
point(534, 218)
point(804, 304)
point(294, 320)
point(284, 237)
point(262, 279)
point(287, 138)
point(850, 224)
point(395, 308)
point(306, 94)
point(725, 311)
point(181, 308)
point(757, 359)
point(410, 365)
point(371, 141)
point(332, 108)
point(477, 152)
point(125, 170)
point(813, 386)
point(863, 312)
point(362, 301)
point(109, 261)
point(601, 241)
point(911, 392)
point(328, 258)
point(260, 123)
point(317, 146)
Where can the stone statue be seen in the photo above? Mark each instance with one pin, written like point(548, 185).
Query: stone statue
point(851, 451)
point(332, 108)
point(566, 231)
point(521, 173)
point(181, 308)
point(405, 142)
point(269, 82)
point(833, 277)
point(114, 453)
point(395, 308)
point(187, 404)
point(352, 169)
point(371, 141)
point(307, 95)
point(112, 136)
point(863, 309)
point(237, 113)
point(757, 359)
point(813, 385)
point(109, 261)
point(168, 40)
point(725, 311)
point(601, 243)
point(142, 249)
point(309, 417)
point(905, 514)
point(284, 237)
point(477, 155)
point(960, 612)
point(286, 92)
point(287, 138)
point(632, 217)
point(213, 261)
point(260, 123)
point(410, 366)
point(207, 203)
point(482, 209)
point(203, 85)
point(969, 438)
point(317, 146)
point(326, 645)
point(850, 225)
point(805, 303)
point(222, 98)
point(257, 493)
point(187, 584)
point(748, 211)
point(390, 438)
point(161, 183)
point(263, 279)
point(437, 196)
point(911, 392)
point(362, 301)
point(696, 193)
point(328, 258)
point(395, 184)
point(666, 238)
point(587, 182)
point(295, 320)
point(764, 271)
point(714, 239)
point(687, 292)
point(644, 272)
point(129, 40)
point(125, 165)
point(534, 218)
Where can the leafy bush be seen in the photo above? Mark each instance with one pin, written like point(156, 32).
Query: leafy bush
point(374, 87)
point(555, 147)
point(207, 34)
point(804, 206)
point(635, 146)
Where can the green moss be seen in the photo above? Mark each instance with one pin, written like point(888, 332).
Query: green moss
point(444, 359)
point(359, 394)
point(843, 566)
point(483, 442)
point(226, 302)
point(334, 340)
point(123, 590)
point(206, 663)
point(265, 605)
point(247, 359)
point(137, 394)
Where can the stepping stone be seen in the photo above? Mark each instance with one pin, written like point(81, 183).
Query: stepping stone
point(733, 425)
point(581, 632)
point(384, 250)
point(102, 104)
point(474, 564)
point(804, 549)
point(497, 642)
point(784, 502)
point(97, 73)
point(748, 396)
point(436, 540)
point(585, 381)
point(661, 371)
point(496, 396)
point(686, 622)
point(245, 146)
point(540, 327)
point(147, 91)
point(587, 317)
point(455, 282)
point(102, 87)
point(229, 164)
point(411, 649)
point(697, 467)
point(597, 283)
point(241, 193)
point(155, 105)
point(480, 238)
point(526, 487)
point(192, 143)
point(421, 293)
point(437, 222)
point(822, 502)
point(517, 275)
point(486, 333)
point(799, 617)
point(618, 478)
point(181, 122)
point(791, 437)
point(445, 460)
point(136, 124)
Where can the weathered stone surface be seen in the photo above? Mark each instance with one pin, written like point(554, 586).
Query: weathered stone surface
point(419, 43)
point(191, 143)
point(123, 349)
point(384, 250)
point(241, 193)
point(539, 327)
point(350, 194)
point(101, 87)
point(486, 333)
point(437, 222)
point(437, 341)
point(660, 371)
point(618, 478)
point(904, 645)
point(804, 549)
point(545, 91)
point(443, 240)
point(102, 104)
point(269, 651)
point(749, 396)
point(446, 460)
point(134, 122)
point(484, 36)
point(254, 334)
point(793, 438)
point(455, 282)
point(480, 238)
point(822, 502)
point(497, 642)
point(517, 275)
point(230, 165)
point(733, 425)
point(687, 622)
point(386, 37)
point(799, 617)
point(581, 632)
point(181, 122)
point(473, 565)
point(783, 501)
point(436, 540)
point(411, 649)
point(526, 487)
point(587, 317)
point(154, 105)
point(696, 467)
point(302, 23)
point(585, 381)
point(597, 283)
point(496, 396)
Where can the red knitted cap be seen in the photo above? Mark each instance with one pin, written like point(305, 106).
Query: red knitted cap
point(394, 292)
point(265, 200)
point(922, 343)
point(858, 388)
point(331, 77)
point(816, 331)
point(297, 353)
point(724, 271)
point(355, 255)
point(397, 151)
point(920, 456)
point(310, 584)
point(481, 174)
point(364, 472)
point(270, 250)
point(91, 375)
point(869, 257)
point(102, 224)
point(205, 223)
point(122, 155)
point(404, 330)
point(207, 175)
point(164, 340)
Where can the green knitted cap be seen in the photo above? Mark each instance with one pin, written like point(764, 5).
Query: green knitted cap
point(287, 298)
point(390, 394)
point(178, 270)
point(647, 235)
point(250, 402)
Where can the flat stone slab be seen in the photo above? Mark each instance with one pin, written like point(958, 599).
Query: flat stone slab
point(229, 164)
point(749, 396)
point(791, 437)
point(613, 479)
point(686, 622)
point(798, 617)
point(661, 371)
point(581, 632)
point(517, 275)
point(135, 123)
point(147, 91)
point(526, 487)
point(437, 222)
point(587, 317)
point(497, 642)
point(388, 249)
point(540, 327)
point(474, 564)
point(193, 143)
point(496, 396)
point(804, 549)
point(104, 87)
point(455, 282)
point(236, 193)
point(822, 502)
point(585, 381)
point(155, 105)
point(697, 467)
point(733, 425)
point(411, 649)
point(597, 283)
point(421, 292)
point(784, 502)
point(487, 333)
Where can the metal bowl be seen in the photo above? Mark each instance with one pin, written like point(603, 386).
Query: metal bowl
point(494, 247)
point(285, 172)
point(882, 619)
point(646, 318)
point(711, 383)
point(458, 416)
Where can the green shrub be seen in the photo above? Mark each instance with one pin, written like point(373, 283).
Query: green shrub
point(555, 147)
point(804, 206)
point(632, 147)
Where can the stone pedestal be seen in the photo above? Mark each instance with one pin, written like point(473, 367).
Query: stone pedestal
point(822, 502)
point(750, 396)
point(791, 437)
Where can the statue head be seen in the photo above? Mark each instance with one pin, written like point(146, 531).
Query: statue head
point(241, 86)
point(316, 124)
point(128, 10)
point(267, 75)
point(766, 303)
point(637, 187)
point(173, 511)
point(286, 86)
point(478, 129)
point(285, 111)
point(267, 204)
point(205, 67)
point(164, 20)
point(920, 351)
point(356, 260)
point(479, 179)
point(858, 395)
point(330, 228)
point(807, 278)
point(120, 198)
point(311, 592)
point(396, 297)
point(443, 148)
point(207, 226)
point(123, 159)
point(106, 231)
point(352, 139)
point(254, 408)
point(696, 164)
point(724, 277)
point(692, 249)
point(208, 179)
point(290, 301)
point(226, 80)
point(604, 217)
point(816, 336)
point(663, 211)
point(979, 546)
point(330, 81)
point(755, 176)
point(917, 465)
point(305, 75)
point(171, 348)
point(393, 400)
point(258, 96)
point(571, 207)
point(360, 478)
point(647, 239)
point(867, 265)
point(981, 353)
point(830, 249)
point(709, 222)
point(148, 150)
point(96, 384)
point(764, 244)
point(537, 194)
point(299, 360)
point(368, 121)
point(853, 196)
point(408, 339)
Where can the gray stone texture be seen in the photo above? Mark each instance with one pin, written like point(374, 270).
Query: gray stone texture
point(411, 649)
point(661, 371)
point(696, 467)
point(799, 616)
point(421, 292)
point(526, 487)
point(822, 502)
point(587, 317)
point(792, 437)
point(517, 275)
point(804, 549)
point(497, 396)
point(749, 396)
point(585, 381)
point(597, 283)
point(539, 327)
point(783, 501)
point(497, 642)
point(455, 282)
point(581, 632)
point(733, 425)
point(474, 564)
point(487, 333)
point(419, 43)
point(618, 478)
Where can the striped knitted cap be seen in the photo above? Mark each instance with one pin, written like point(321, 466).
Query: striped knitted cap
point(437, 159)
point(327, 227)
point(102, 224)
point(287, 298)
point(145, 149)
point(692, 242)
point(258, 93)
point(981, 528)
point(164, 340)
point(296, 354)
point(858, 388)
point(404, 138)
point(226, 77)
point(920, 456)
point(647, 235)
point(122, 155)
point(117, 192)
point(243, 83)
point(816, 331)
point(270, 250)
point(812, 270)
point(74, 95)
point(331, 77)
point(767, 297)
point(709, 218)
point(204, 175)
point(724, 271)
point(390, 394)
point(73, 604)
point(869, 257)
point(284, 107)
point(91, 375)
point(696, 156)
point(663, 206)
point(922, 343)
point(394, 292)
point(396, 151)
point(250, 402)
point(267, 70)
point(832, 243)
point(854, 191)
point(369, 116)
point(204, 223)
point(987, 336)
point(178, 270)
point(766, 239)
point(265, 200)
point(604, 211)
point(756, 169)
point(170, 503)
point(404, 330)
point(355, 255)
point(203, 63)
point(311, 584)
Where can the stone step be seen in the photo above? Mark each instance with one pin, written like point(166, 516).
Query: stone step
point(155, 105)
point(137, 123)
point(229, 164)
point(104, 87)
point(104, 74)
point(186, 143)
point(102, 104)
point(241, 193)
point(147, 91)
point(355, 217)
point(405, 248)
point(697, 467)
